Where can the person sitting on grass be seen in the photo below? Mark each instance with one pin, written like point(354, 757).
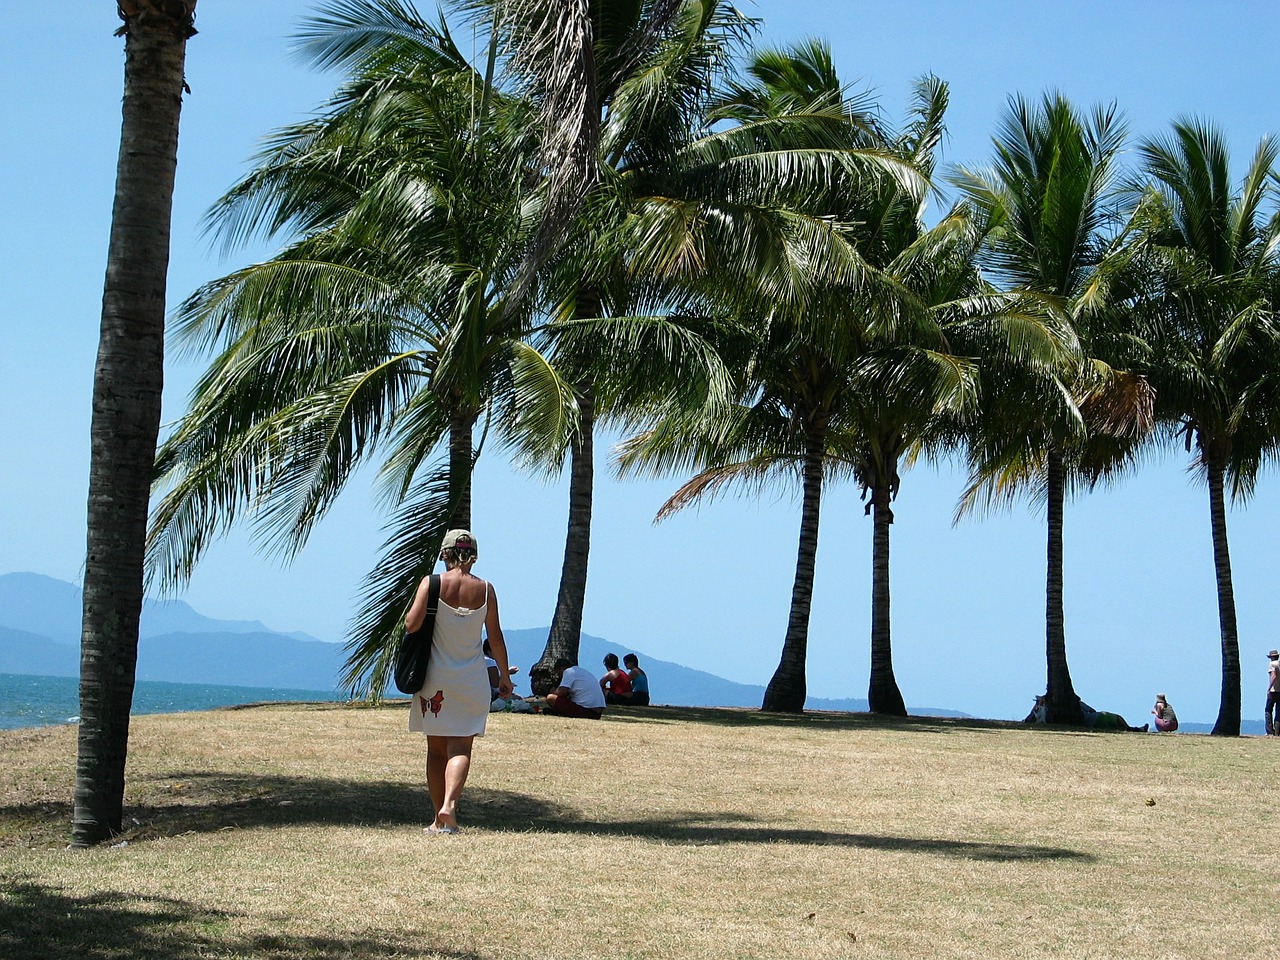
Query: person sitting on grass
point(492, 666)
point(1166, 719)
point(577, 694)
point(639, 681)
point(498, 701)
point(1093, 719)
point(616, 684)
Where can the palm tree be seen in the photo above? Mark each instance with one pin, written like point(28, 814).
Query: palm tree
point(907, 382)
point(1046, 205)
point(1215, 341)
point(665, 196)
point(620, 84)
point(126, 405)
point(383, 324)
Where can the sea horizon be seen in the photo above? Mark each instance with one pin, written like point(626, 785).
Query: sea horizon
point(37, 700)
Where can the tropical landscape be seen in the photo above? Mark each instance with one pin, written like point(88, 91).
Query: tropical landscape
point(631, 218)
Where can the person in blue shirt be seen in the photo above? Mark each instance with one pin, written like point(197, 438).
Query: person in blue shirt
point(639, 681)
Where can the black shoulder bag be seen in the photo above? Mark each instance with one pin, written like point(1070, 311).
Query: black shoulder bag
point(415, 647)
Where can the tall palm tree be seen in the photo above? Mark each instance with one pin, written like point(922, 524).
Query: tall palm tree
point(126, 405)
point(1213, 329)
point(619, 83)
point(383, 324)
point(666, 195)
point(1045, 201)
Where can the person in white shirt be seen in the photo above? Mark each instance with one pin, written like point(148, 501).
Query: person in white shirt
point(577, 693)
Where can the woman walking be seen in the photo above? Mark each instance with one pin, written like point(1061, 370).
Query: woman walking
point(453, 705)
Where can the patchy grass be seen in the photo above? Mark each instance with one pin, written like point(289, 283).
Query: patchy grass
point(294, 832)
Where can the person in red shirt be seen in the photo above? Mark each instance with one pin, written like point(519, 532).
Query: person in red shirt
point(616, 684)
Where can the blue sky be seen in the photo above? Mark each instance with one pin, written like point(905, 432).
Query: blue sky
point(709, 588)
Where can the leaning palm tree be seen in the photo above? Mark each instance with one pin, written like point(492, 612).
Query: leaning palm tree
point(392, 326)
point(126, 406)
point(1213, 253)
point(382, 330)
point(1045, 202)
point(620, 85)
point(666, 195)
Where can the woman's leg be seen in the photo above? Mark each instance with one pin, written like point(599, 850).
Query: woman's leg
point(457, 766)
point(437, 760)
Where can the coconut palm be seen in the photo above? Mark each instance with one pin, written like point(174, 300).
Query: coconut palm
point(126, 405)
point(383, 325)
point(1212, 325)
point(665, 196)
point(1045, 201)
point(787, 378)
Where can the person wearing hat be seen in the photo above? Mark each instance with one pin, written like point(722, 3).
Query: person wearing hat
point(453, 705)
point(1272, 715)
point(1166, 719)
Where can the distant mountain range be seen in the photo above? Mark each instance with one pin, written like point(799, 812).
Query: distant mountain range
point(40, 634)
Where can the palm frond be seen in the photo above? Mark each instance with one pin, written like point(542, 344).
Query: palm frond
point(409, 554)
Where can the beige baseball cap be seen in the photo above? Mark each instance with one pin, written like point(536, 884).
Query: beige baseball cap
point(459, 538)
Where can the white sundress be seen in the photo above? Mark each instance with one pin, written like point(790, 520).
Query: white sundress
point(454, 699)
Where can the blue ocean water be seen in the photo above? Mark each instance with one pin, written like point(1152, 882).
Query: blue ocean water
point(35, 701)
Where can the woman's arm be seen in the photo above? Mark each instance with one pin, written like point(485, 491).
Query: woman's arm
point(497, 643)
point(417, 614)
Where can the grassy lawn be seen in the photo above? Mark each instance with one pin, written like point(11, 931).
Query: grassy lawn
point(295, 832)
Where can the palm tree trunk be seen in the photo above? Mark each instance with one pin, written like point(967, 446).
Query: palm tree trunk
point(1062, 706)
point(883, 695)
point(461, 463)
point(1228, 722)
point(127, 384)
point(566, 625)
point(565, 634)
point(787, 689)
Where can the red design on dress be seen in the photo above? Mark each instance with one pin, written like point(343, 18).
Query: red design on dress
point(434, 704)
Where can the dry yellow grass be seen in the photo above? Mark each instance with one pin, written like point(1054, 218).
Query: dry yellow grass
point(295, 833)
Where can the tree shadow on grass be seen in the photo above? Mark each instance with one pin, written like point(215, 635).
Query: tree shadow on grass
point(700, 830)
point(39, 922)
point(810, 720)
point(208, 801)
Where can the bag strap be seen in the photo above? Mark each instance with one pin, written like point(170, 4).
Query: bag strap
point(433, 604)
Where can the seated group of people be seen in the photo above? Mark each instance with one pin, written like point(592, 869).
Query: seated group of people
point(577, 692)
